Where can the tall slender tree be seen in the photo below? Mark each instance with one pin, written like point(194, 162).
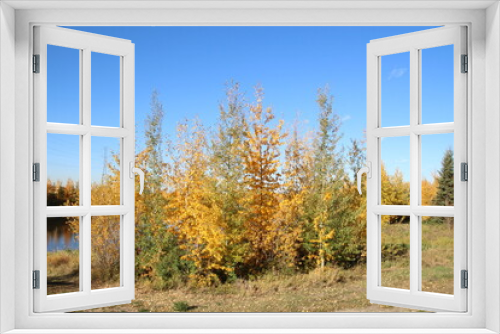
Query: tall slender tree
point(261, 149)
point(225, 165)
point(322, 203)
point(157, 253)
point(290, 217)
point(445, 188)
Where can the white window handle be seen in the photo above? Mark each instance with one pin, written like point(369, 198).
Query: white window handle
point(368, 171)
point(134, 170)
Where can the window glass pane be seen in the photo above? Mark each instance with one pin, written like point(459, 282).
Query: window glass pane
point(105, 90)
point(63, 85)
point(395, 251)
point(437, 254)
point(437, 169)
point(105, 252)
point(63, 170)
point(395, 89)
point(395, 170)
point(105, 171)
point(63, 255)
point(437, 84)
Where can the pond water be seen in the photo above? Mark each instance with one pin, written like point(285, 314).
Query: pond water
point(60, 236)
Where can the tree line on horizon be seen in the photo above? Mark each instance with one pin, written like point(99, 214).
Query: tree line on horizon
point(250, 196)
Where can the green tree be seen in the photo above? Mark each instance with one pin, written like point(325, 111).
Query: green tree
point(290, 217)
point(157, 253)
point(445, 189)
point(225, 164)
point(329, 216)
point(356, 156)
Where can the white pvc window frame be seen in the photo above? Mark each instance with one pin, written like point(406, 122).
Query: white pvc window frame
point(474, 320)
point(414, 43)
point(86, 44)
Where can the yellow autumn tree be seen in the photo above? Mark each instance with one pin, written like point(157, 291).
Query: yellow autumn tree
point(395, 191)
point(193, 214)
point(105, 230)
point(261, 152)
point(429, 190)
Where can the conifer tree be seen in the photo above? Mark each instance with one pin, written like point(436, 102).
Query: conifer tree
point(445, 188)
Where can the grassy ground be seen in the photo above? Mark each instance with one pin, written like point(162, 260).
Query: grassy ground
point(63, 272)
point(328, 290)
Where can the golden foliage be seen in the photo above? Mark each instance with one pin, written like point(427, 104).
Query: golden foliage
point(194, 216)
point(261, 151)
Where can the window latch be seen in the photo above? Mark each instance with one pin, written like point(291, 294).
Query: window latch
point(134, 170)
point(368, 170)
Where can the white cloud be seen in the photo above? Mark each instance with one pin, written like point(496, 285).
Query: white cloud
point(346, 118)
point(397, 73)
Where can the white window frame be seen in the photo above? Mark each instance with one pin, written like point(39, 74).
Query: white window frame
point(413, 44)
point(86, 44)
point(484, 211)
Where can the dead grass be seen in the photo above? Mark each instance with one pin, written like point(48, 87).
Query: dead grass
point(437, 258)
point(330, 290)
point(62, 272)
point(327, 290)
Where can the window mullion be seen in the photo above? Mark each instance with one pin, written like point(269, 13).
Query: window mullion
point(86, 237)
point(414, 171)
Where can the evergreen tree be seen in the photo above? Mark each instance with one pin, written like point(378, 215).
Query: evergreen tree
point(445, 188)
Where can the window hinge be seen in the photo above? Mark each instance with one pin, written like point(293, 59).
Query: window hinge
point(36, 279)
point(36, 172)
point(465, 64)
point(464, 171)
point(465, 279)
point(36, 63)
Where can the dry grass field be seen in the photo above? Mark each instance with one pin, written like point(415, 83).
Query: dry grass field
point(327, 290)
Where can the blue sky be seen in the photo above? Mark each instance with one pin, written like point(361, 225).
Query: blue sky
point(189, 66)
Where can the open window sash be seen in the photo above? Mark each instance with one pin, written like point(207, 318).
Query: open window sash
point(414, 43)
point(84, 297)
